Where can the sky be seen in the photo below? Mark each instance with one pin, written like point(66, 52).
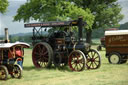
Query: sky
point(6, 20)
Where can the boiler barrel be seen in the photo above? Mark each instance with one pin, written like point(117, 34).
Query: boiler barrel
point(80, 46)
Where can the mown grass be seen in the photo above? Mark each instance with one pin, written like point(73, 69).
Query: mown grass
point(107, 74)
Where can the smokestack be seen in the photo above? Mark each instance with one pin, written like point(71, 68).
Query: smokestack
point(80, 28)
point(6, 35)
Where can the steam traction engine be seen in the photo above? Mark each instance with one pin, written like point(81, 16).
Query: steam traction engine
point(61, 48)
point(8, 58)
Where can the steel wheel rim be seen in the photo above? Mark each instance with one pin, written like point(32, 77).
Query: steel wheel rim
point(40, 55)
point(16, 72)
point(114, 59)
point(2, 74)
point(76, 61)
point(93, 60)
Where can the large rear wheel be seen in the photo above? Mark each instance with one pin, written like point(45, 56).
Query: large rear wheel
point(93, 59)
point(77, 60)
point(42, 55)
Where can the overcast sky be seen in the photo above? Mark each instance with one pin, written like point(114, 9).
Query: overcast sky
point(18, 27)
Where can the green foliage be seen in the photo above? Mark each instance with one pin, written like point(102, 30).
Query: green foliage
point(49, 10)
point(14, 39)
point(97, 13)
point(21, 38)
point(124, 26)
point(73, 12)
point(3, 6)
point(98, 33)
point(106, 12)
point(1, 38)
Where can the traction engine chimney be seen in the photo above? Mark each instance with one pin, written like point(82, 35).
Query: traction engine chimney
point(6, 35)
point(80, 25)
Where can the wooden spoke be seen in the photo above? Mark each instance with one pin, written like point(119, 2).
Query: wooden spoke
point(93, 59)
point(42, 55)
point(76, 60)
point(3, 72)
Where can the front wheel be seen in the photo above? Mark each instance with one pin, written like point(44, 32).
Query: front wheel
point(77, 60)
point(93, 59)
point(17, 71)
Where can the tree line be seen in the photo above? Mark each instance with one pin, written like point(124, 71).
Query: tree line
point(96, 34)
point(124, 26)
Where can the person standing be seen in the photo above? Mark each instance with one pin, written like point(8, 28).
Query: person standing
point(19, 55)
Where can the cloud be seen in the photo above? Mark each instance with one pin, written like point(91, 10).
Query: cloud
point(124, 5)
point(122, 0)
point(13, 27)
point(13, 6)
point(6, 20)
point(2, 26)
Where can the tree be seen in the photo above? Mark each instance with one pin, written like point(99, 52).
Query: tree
point(49, 10)
point(3, 6)
point(106, 12)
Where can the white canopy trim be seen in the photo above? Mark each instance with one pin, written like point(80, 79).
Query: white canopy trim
point(9, 45)
point(116, 32)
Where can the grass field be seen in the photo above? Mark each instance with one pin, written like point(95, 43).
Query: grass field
point(107, 74)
